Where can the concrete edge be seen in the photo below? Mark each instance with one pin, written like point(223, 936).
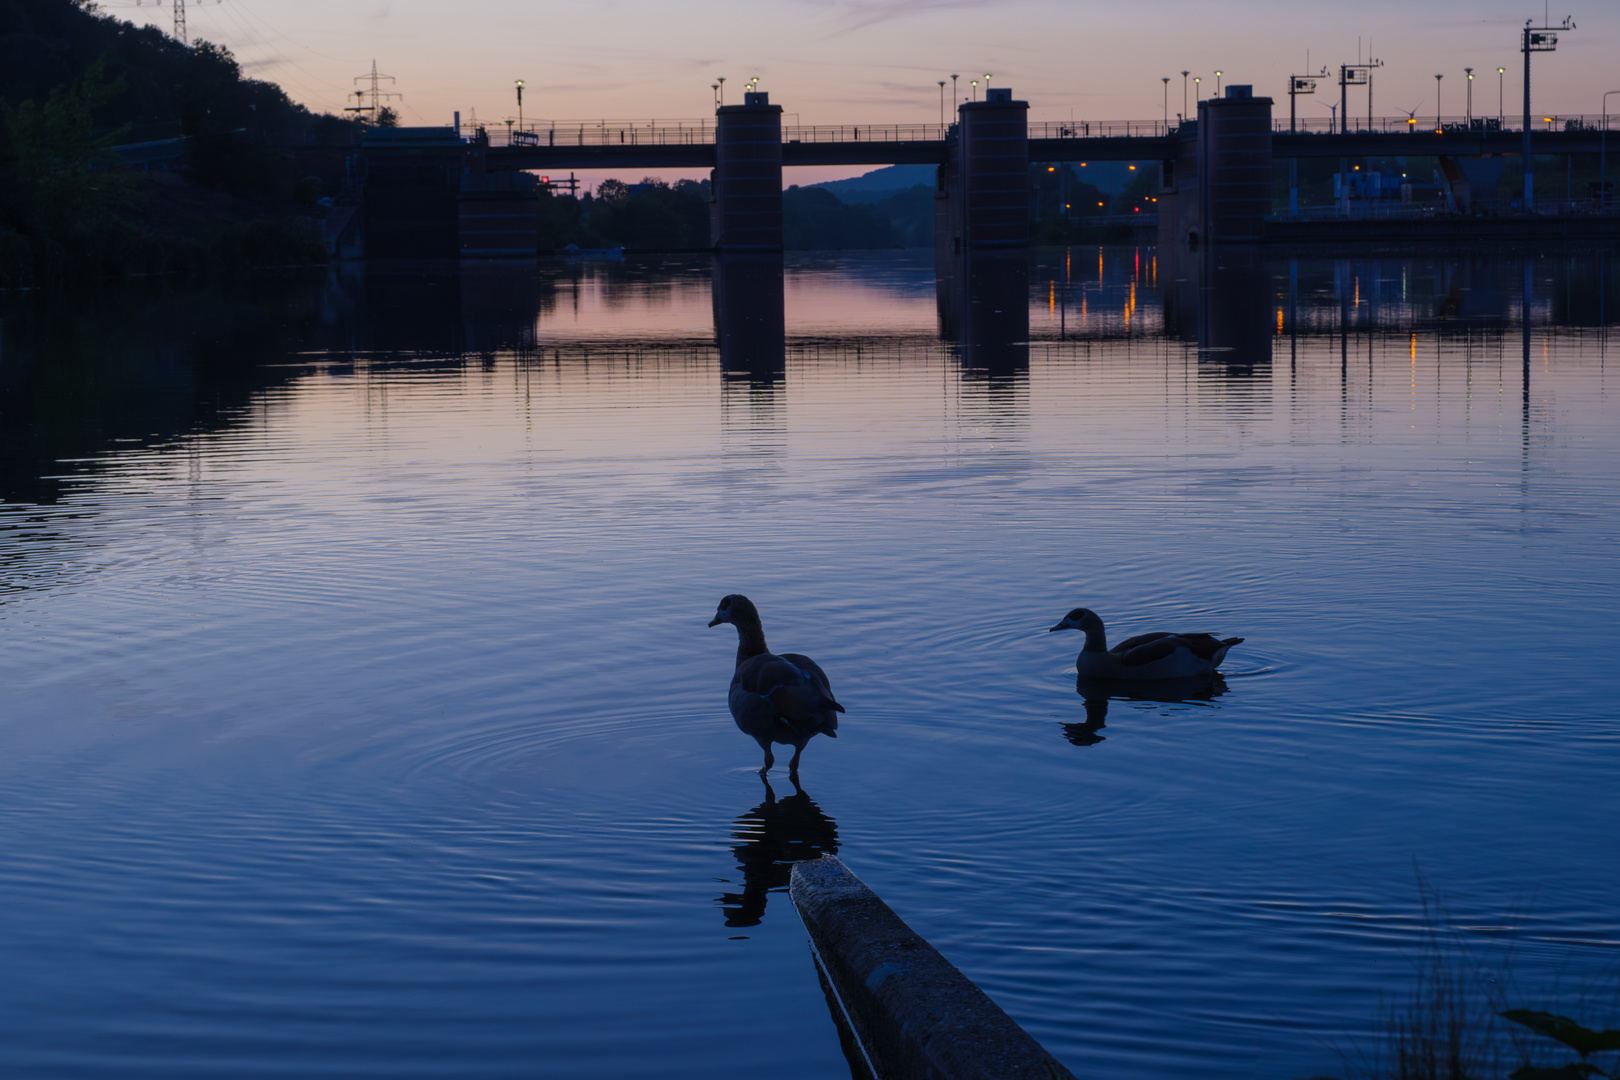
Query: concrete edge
point(916, 1015)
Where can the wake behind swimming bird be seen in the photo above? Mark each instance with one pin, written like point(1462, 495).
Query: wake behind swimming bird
point(1158, 655)
point(774, 698)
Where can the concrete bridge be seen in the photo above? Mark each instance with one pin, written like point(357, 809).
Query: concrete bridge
point(431, 193)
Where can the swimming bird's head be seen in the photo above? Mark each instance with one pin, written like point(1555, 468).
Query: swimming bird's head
point(735, 608)
point(1079, 619)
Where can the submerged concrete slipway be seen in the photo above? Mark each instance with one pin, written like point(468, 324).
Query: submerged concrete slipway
point(360, 718)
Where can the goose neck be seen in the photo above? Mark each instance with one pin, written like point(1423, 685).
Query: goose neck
point(1096, 639)
point(750, 640)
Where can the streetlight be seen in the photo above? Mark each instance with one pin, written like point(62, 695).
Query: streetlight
point(942, 103)
point(975, 85)
point(1217, 84)
point(1197, 97)
point(1603, 153)
point(1438, 125)
point(715, 87)
point(1183, 94)
point(953, 93)
point(987, 86)
point(722, 81)
point(1470, 114)
point(1499, 113)
point(520, 104)
point(1166, 81)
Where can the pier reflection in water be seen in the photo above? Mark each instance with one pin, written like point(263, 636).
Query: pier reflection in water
point(353, 653)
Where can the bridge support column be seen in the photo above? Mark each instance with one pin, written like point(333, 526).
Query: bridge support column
point(747, 180)
point(983, 190)
point(1218, 186)
point(1234, 165)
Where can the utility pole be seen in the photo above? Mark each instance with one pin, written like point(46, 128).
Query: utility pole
point(1357, 74)
point(376, 93)
point(1535, 39)
point(1299, 84)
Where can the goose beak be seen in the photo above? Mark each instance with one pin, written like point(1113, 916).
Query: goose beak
point(715, 621)
point(1059, 626)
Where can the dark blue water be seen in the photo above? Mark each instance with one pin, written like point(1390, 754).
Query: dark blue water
point(359, 716)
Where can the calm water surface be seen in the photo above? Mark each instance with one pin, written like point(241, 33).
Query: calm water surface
point(359, 717)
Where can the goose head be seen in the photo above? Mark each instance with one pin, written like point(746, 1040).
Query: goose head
point(1079, 619)
point(736, 609)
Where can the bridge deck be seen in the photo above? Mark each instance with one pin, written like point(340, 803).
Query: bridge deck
point(691, 145)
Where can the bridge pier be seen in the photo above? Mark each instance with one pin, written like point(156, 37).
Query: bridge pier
point(982, 195)
point(747, 178)
point(1217, 189)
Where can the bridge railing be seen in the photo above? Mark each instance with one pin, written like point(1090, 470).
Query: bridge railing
point(597, 132)
point(570, 133)
point(842, 133)
point(1461, 125)
point(1098, 129)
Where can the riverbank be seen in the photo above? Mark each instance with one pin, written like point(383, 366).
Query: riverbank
point(165, 223)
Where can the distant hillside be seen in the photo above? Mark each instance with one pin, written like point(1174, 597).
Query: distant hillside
point(879, 184)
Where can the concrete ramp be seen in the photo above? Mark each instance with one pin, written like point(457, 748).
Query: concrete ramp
point(911, 1014)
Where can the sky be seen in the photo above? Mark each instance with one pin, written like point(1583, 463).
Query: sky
point(880, 61)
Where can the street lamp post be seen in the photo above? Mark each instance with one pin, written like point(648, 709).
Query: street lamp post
point(722, 81)
point(1603, 153)
point(1217, 84)
point(953, 93)
point(1469, 115)
point(1197, 96)
point(1438, 122)
point(1184, 94)
point(942, 104)
point(520, 104)
point(1166, 81)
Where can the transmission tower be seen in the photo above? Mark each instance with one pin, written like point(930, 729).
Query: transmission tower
point(180, 22)
point(375, 93)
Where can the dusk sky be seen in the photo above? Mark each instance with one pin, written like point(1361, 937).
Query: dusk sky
point(874, 61)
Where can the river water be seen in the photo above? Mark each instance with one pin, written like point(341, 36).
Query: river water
point(358, 716)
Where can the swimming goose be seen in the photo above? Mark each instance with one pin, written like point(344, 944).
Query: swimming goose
point(1146, 656)
point(775, 698)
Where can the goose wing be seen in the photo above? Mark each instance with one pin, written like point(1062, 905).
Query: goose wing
point(793, 685)
point(1132, 643)
point(1208, 646)
point(1154, 647)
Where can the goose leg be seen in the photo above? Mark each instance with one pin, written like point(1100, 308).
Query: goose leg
point(770, 759)
point(793, 766)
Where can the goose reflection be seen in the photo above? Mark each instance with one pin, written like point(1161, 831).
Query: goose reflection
point(774, 835)
point(1097, 693)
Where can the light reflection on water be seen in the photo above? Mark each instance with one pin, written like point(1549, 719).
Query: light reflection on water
point(360, 717)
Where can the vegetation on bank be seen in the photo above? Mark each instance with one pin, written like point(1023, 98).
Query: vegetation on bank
point(1451, 1024)
point(653, 215)
point(75, 84)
